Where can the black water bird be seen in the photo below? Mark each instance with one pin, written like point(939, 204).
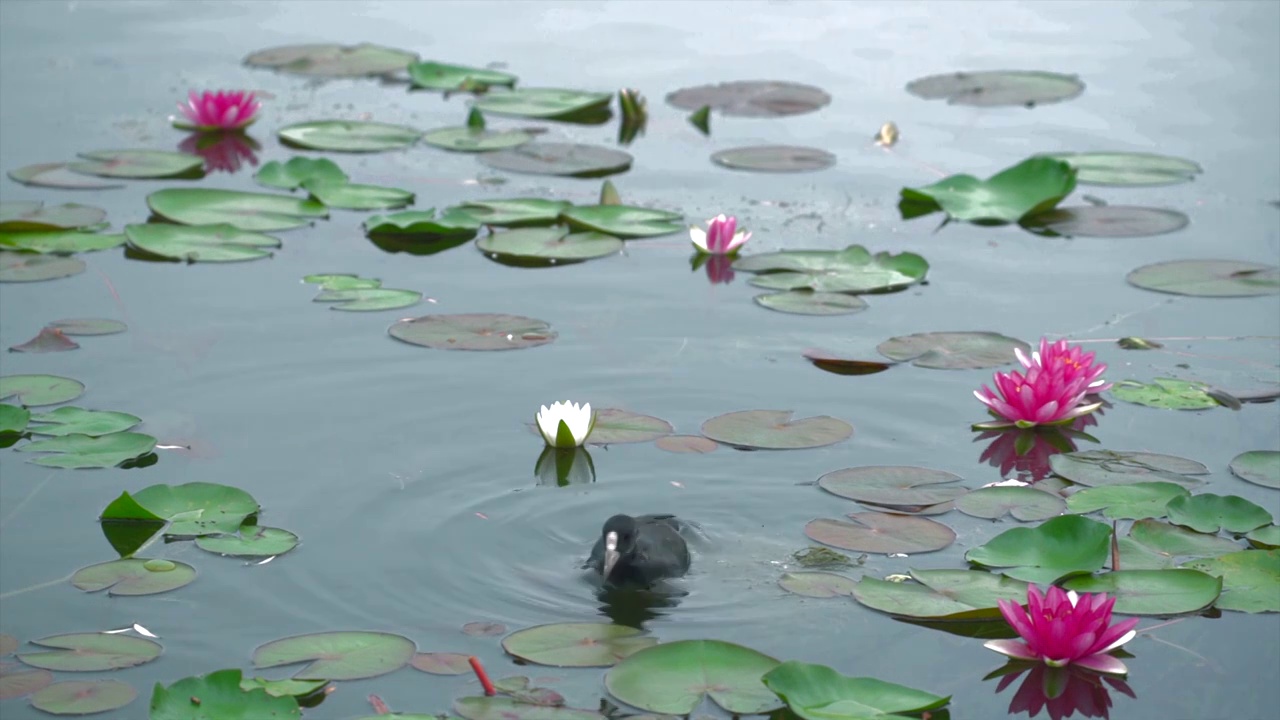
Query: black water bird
point(640, 550)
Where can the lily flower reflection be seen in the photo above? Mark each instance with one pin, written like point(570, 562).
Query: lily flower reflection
point(1059, 692)
point(1025, 454)
point(222, 152)
point(719, 267)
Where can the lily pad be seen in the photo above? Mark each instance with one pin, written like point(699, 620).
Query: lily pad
point(83, 697)
point(517, 212)
point(1166, 393)
point(292, 174)
point(1132, 502)
point(807, 302)
point(351, 196)
point(1097, 468)
point(219, 696)
point(853, 270)
point(88, 326)
point(134, 576)
point(941, 594)
point(816, 692)
point(997, 88)
point(137, 164)
point(48, 340)
point(1106, 221)
point(1025, 504)
point(672, 678)
point(33, 390)
point(774, 158)
point(453, 222)
point(78, 451)
point(368, 299)
point(876, 532)
point(351, 136)
point(62, 242)
point(752, 98)
point(1208, 278)
point(615, 426)
point(15, 681)
point(1173, 541)
point(24, 267)
point(192, 509)
point(431, 75)
point(832, 363)
point(252, 212)
point(200, 243)
point(817, 584)
point(1249, 579)
point(623, 221)
point(1209, 513)
point(505, 708)
point(545, 103)
point(953, 350)
point(1062, 546)
point(1267, 536)
point(56, 175)
point(29, 216)
point(566, 159)
point(13, 419)
point(1260, 467)
point(474, 331)
point(466, 139)
point(775, 430)
point(576, 644)
point(253, 541)
point(1126, 169)
point(342, 655)
point(1152, 592)
point(442, 663)
point(1032, 186)
point(893, 485)
point(91, 652)
point(70, 420)
point(332, 60)
point(686, 444)
point(549, 245)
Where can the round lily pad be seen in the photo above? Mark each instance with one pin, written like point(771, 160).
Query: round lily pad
point(1260, 467)
point(875, 532)
point(32, 390)
point(752, 98)
point(1114, 467)
point(817, 584)
point(1208, 278)
point(442, 663)
point(824, 360)
point(14, 419)
point(851, 270)
point(332, 60)
point(953, 350)
point(70, 420)
point(1129, 169)
point(1107, 221)
point(353, 196)
point(941, 594)
point(508, 708)
point(1134, 502)
point(88, 326)
point(433, 75)
point(352, 136)
point(893, 485)
point(56, 175)
point(774, 158)
point(807, 302)
point(132, 576)
point(517, 212)
point(137, 164)
point(672, 678)
point(252, 212)
point(253, 541)
point(1249, 579)
point(476, 331)
point(775, 430)
point(80, 451)
point(298, 170)
point(1023, 503)
point(545, 103)
point(90, 652)
point(1172, 541)
point(16, 681)
point(368, 299)
point(1064, 545)
point(615, 426)
point(567, 159)
point(1208, 512)
point(686, 444)
point(623, 221)
point(576, 644)
point(83, 697)
point(1152, 592)
point(227, 694)
point(1166, 393)
point(996, 88)
point(342, 655)
point(817, 692)
point(549, 245)
point(25, 267)
point(62, 242)
point(200, 243)
point(466, 139)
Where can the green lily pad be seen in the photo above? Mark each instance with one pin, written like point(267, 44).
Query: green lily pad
point(137, 164)
point(83, 697)
point(453, 222)
point(995, 88)
point(1260, 467)
point(752, 98)
point(431, 75)
point(79, 451)
point(192, 509)
point(13, 419)
point(61, 242)
point(292, 174)
point(1267, 536)
point(56, 175)
point(614, 426)
point(88, 326)
point(941, 594)
point(775, 430)
point(576, 644)
point(816, 692)
point(134, 576)
point(71, 420)
point(563, 159)
point(549, 245)
point(200, 243)
point(342, 281)
point(91, 652)
point(876, 532)
point(1172, 541)
point(474, 331)
point(1106, 221)
point(253, 212)
point(853, 269)
point(15, 681)
point(24, 267)
point(517, 212)
point(672, 678)
point(1097, 468)
point(774, 158)
point(36, 216)
point(1207, 513)
point(1062, 546)
point(953, 350)
point(351, 196)
point(368, 299)
point(442, 663)
point(1127, 169)
point(1025, 504)
point(1208, 278)
point(505, 708)
point(817, 584)
point(1030, 187)
point(893, 485)
point(283, 688)
point(623, 221)
point(332, 60)
point(1133, 502)
point(466, 139)
point(807, 302)
point(32, 390)
point(253, 541)
point(1250, 579)
point(1152, 592)
point(219, 696)
point(342, 655)
point(1166, 393)
point(544, 103)
point(348, 136)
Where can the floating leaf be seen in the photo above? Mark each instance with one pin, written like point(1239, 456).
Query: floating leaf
point(453, 222)
point(1107, 221)
point(138, 164)
point(997, 87)
point(701, 119)
point(1152, 592)
point(56, 175)
point(192, 509)
point(253, 541)
point(442, 663)
point(1250, 579)
point(13, 419)
point(292, 174)
point(774, 158)
point(134, 576)
point(941, 594)
point(467, 139)
point(348, 136)
point(284, 688)
point(1025, 504)
point(368, 299)
point(576, 644)
point(23, 267)
point(673, 677)
point(29, 216)
point(90, 652)
point(83, 697)
point(350, 196)
point(953, 350)
point(623, 221)
point(807, 302)
point(15, 681)
point(549, 246)
point(49, 340)
point(752, 98)
point(1096, 468)
point(614, 426)
point(62, 242)
point(253, 212)
point(546, 103)
point(853, 269)
point(1030, 187)
point(32, 390)
point(1207, 513)
point(219, 696)
point(342, 655)
point(1260, 467)
point(816, 692)
point(70, 420)
point(824, 360)
point(1267, 536)
point(1208, 278)
point(775, 430)
point(1172, 541)
point(893, 485)
point(431, 75)
point(1129, 169)
point(342, 281)
point(475, 331)
point(566, 159)
point(200, 243)
point(505, 708)
point(875, 532)
point(686, 444)
point(517, 212)
point(1133, 502)
point(82, 451)
point(817, 584)
point(331, 60)
point(1166, 393)
point(1062, 546)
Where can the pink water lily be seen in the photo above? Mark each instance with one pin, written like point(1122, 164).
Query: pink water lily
point(222, 110)
point(1052, 390)
point(721, 236)
point(1065, 628)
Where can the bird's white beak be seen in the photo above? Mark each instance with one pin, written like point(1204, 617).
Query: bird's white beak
point(610, 552)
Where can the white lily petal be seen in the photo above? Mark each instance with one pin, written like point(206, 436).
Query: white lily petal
point(143, 631)
point(1022, 358)
point(699, 237)
point(1073, 597)
point(1123, 639)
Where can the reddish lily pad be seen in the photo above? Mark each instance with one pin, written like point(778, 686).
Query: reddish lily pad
point(28, 216)
point(137, 164)
point(477, 331)
point(686, 444)
point(1208, 278)
point(31, 390)
point(134, 576)
point(893, 485)
point(49, 340)
point(833, 363)
point(874, 532)
point(564, 159)
point(56, 175)
point(442, 663)
point(83, 697)
point(1025, 504)
point(484, 629)
point(1097, 468)
point(1260, 467)
point(88, 326)
point(576, 644)
point(25, 267)
point(505, 708)
point(817, 584)
point(91, 652)
point(997, 88)
point(341, 655)
point(752, 98)
point(1106, 221)
point(614, 426)
point(672, 678)
point(16, 681)
point(332, 60)
point(519, 688)
point(953, 350)
point(774, 158)
point(775, 430)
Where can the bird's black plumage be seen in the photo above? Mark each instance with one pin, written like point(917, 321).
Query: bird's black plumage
point(649, 547)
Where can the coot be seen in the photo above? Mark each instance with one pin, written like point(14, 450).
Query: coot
point(640, 550)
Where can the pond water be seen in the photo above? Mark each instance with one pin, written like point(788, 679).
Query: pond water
point(409, 472)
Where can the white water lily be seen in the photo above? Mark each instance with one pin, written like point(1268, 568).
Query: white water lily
point(566, 424)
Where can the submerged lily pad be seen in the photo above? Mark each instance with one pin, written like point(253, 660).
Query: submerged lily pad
point(343, 655)
point(1032, 186)
point(442, 663)
point(876, 532)
point(549, 245)
point(56, 175)
point(1107, 221)
point(1152, 592)
point(1208, 513)
point(83, 451)
point(545, 103)
point(432, 75)
point(253, 541)
point(220, 695)
point(1249, 579)
point(134, 576)
point(332, 60)
point(91, 652)
point(774, 158)
point(33, 390)
point(1127, 169)
point(816, 692)
point(200, 243)
point(192, 509)
point(83, 697)
point(466, 139)
point(292, 174)
point(453, 222)
point(1208, 278)
point(351, 196)
point(1166, 393)
point(566, 159)
point(516, 212)
point(473, 331)
point(614, 426)
point(775, 430)
point(853, 270)
point(137, 164)
point(995, 88)
point(576, 644)
point(1133, 502)
point(351, 136)
point(953, 350)
point(893, 485)
point(1025, 504)
point(62, 242)
point(1260, 467)
point(25, 267)
point(672, 678)
point(941, 594)
point(252, 212)
point(752, 98)
point(623, 221)
point(1062, 546)
point(1117, 467)
point(807, 302)
point(70, 420)
point(817, 584)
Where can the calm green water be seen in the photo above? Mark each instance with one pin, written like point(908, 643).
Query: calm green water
point(409, 472)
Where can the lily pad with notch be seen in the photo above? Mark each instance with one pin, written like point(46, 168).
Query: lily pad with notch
point(615, 426)
point(816, 692)
point(545, 103)
point(36, 216)
point(562, 159)
point(1025, 504)
point(996, 88)
point(851, 270)
point(817, 584)
point(248, 211)
point(1249, 579)
point(893, 485)
point(1166, 394)
point(61, 242)
point(83, 697)
point(341, 655)
point(332, 60)
point(200, 243)
point(752, 98)
point(1208, 278)
point(1106, 221)
point(222, 695)
point(1065, 545)
point(1096, 468)
point(139, 164)
point(33, 390)
point(352, 136)
point(352, 196)
point(70, 420)
point(298, 170)
point(953, 595)
point(1129, 169)
point(775, 430)
point(473, 331)
point(1260, 467)
point(774, 158)
point(1153, 592)
point(517, 212)
point(673, 678)
point(25, 267)
point(192, 509)
point(91, 652)
point(442, 663)
point(451, 223)
point(953, 350)
point(252, 541)
point(1209, 513)
point(134, 576)
point(624, 221)
point(57, 175)
point(1033, 186)
point(882, 533)
point(432, 75)
point(544, 247)
point(576, 644)
point(79, 451)
point(1127, 502)
point(808, 302)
